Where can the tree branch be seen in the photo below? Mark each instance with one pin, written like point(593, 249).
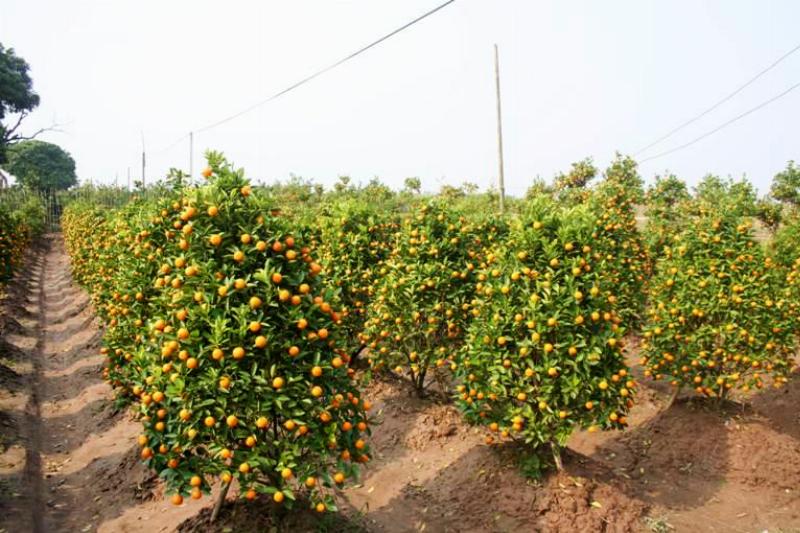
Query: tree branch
point(9, 137)
point(22, 115)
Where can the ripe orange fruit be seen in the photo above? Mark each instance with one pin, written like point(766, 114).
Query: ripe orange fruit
point(177, 499)
point(278, 497)
point(262, 422)
point(277, 277)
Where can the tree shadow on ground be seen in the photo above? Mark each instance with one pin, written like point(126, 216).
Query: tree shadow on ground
point(679, 458)
point(484, 491)
point(69, 386)
point(264, 515)
point(781, 407)
point(102, 490)
point(93, 418)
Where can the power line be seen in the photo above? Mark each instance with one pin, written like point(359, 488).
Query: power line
point(172, 144)
point(719, 103)
point(324, 70)
point(728, 123)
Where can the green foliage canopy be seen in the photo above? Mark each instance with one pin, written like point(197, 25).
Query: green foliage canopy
point(41, 165)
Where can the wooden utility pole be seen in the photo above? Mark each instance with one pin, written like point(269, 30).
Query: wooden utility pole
point(144, 182)
point(501, 177)
point(191, 153)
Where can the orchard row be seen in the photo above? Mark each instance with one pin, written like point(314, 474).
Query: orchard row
point(20, 223)
point(243, 321)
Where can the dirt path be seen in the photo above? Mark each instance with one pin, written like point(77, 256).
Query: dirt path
point(69, 462)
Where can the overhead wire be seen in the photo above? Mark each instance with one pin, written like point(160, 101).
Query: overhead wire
point(325, 69)
point(724, 125)
point(719, 103)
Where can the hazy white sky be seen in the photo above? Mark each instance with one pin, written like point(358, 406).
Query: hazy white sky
point(580, 78)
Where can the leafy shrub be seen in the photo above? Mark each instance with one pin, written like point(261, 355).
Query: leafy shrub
point(543, 354)
point(718, 317)
point(230, 346)
point(425, 289)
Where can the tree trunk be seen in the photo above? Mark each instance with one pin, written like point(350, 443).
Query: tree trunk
point(557, 456)
point(220, 500)
point(674, 396)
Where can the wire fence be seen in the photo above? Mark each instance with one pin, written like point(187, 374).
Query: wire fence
point(53, 202)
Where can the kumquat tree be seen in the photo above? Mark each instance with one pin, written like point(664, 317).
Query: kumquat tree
point(423, 302)
point(719, 317)
point(543, 354)
point(355, 239)
point(237, 368)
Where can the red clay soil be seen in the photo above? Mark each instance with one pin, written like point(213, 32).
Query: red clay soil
point(69, 460)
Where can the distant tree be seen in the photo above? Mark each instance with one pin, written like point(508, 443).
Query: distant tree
point(378, 190)
point(711, 188)
point(667, 192)
point(744, 194)
point(343, 184)
point(769, 213)
point(450, 192)
point(623, 172)
point(41, 165)
point(413, 185)
point(469, 187)
point(786, 185)
point(16, 97)
point(537, 188)
point(578, 177)
point(739, 196)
